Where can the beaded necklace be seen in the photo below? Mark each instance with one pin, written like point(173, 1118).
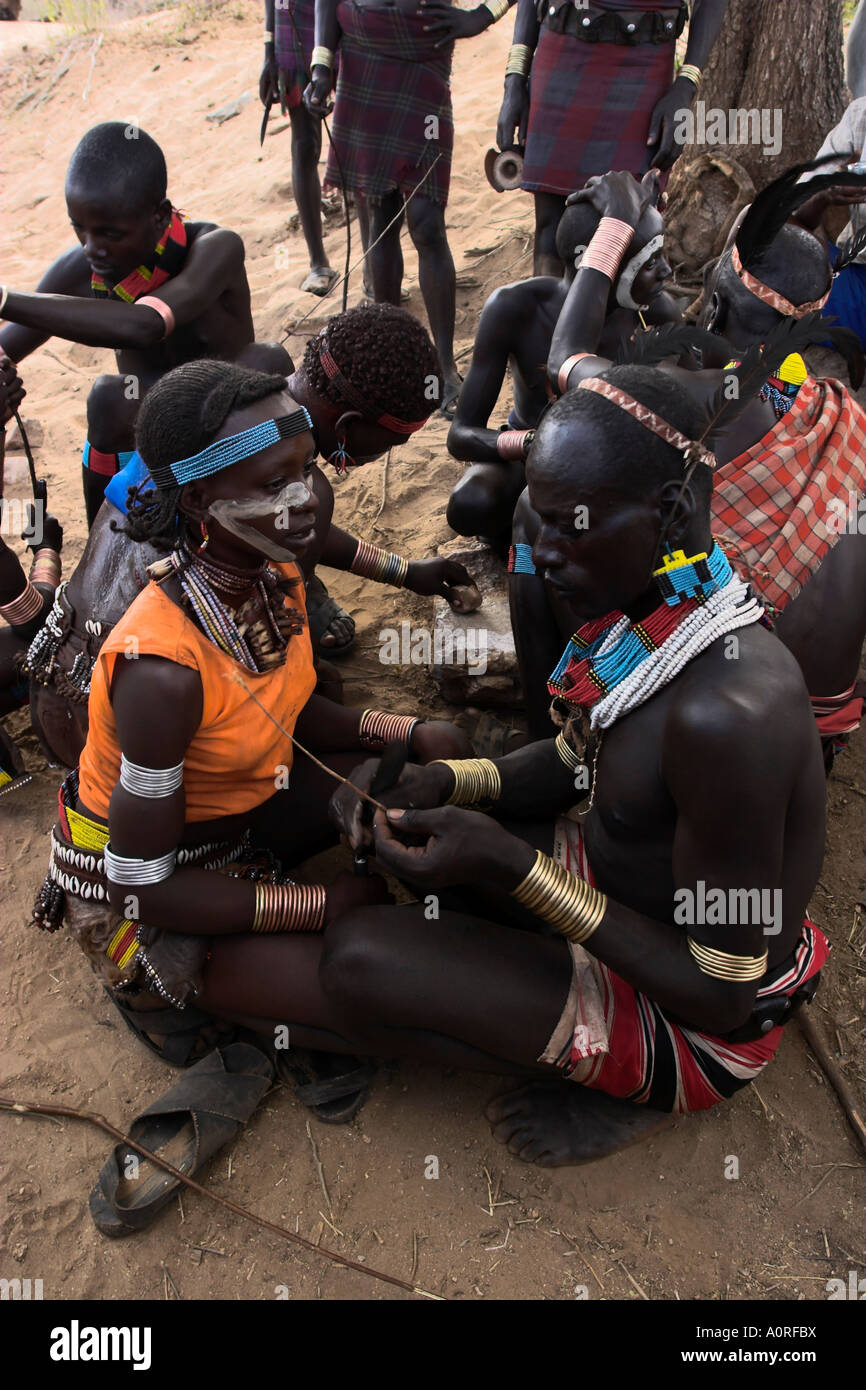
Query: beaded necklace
point(612, 664)
point(257, 634)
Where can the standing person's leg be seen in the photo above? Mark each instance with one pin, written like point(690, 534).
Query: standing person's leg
point(363, 211)
point(385, 261)
point(307, 188)
point(549, 208)
point(426, 222)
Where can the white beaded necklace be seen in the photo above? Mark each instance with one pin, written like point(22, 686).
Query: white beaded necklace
point(731, 607)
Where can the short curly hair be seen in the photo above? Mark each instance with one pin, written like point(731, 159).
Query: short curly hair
point(385, 354)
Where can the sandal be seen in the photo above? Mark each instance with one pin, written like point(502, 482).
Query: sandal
point(320, 280)
point(321, 612)
point(333, 1086)
point(180, 1029)
point(197, 1117)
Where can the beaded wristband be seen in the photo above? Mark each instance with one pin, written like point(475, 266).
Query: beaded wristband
point(289, 907)
point(514, 444)
point(565, 370)
point(519, 60)
point(371, 562)
point(377, 729)
point(723, 966)
point(475, 780)
point(569, 903)
point(692, 72)
point(607, 248)
point(46, 567)
point(497, 8)
point(150, 301)
point(322, 57)
point(23, 608)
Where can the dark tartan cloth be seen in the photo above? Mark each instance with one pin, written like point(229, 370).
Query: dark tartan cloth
point(293, 43)
point(392, 83)
point(590, 105)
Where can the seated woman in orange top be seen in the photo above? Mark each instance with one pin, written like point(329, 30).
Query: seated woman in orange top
point(187, 764)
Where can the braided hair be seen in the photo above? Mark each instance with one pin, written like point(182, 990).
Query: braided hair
point(385, 354)
point(180, 415)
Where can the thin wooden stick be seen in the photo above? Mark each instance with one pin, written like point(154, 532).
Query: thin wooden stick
point(36, 1108)
point(834, 1075)
point(321, 1172)
point(819, 1183)
point(238, 678)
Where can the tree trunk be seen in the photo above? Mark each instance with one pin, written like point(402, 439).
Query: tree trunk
point(782, 61)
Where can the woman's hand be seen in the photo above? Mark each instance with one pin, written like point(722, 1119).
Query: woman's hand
point(416, 787)
point(459, 847)
point(449, 23)
point(438, 575)
point(349, 892)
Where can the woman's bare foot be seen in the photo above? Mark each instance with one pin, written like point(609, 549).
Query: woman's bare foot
point(559, 1123)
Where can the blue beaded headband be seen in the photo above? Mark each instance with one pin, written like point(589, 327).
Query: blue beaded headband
point(236, 447)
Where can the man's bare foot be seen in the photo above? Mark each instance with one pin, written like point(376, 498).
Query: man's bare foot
point(564, 1123)
point(320, 280)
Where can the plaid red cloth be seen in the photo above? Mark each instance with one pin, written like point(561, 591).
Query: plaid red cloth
point(771, 505)
point(392, 113)
point(590, 105)
point(294, 36)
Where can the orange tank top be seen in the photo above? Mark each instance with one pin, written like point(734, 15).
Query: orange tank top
point(236, 753)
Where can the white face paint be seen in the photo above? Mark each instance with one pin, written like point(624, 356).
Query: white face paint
point(231, 513)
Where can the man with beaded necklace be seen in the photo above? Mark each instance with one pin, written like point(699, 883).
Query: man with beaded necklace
point(671, 993)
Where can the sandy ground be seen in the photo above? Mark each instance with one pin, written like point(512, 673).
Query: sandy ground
point(662, 1221)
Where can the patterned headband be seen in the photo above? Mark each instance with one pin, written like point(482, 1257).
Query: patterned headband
point(772, 297)
point(354, 397)
point(224, 452)
point(691, 448)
